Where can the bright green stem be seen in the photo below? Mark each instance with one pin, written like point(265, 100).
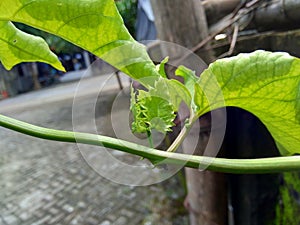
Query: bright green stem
point(179, 139)
point(262, 165)
point(183, 133)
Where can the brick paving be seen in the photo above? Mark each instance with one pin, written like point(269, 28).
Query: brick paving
point(46, 182)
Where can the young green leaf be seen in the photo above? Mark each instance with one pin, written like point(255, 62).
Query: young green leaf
point(161, 67)
point(171, 90)
point(190, 80)
point(263, 83)
point(17, 46)
point(156, 108)
point(151, 112)
point(189, 77)
point(94, 25)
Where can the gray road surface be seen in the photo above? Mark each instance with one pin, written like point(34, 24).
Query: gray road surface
point(45, 182)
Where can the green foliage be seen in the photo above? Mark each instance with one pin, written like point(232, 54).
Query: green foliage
point(190, 80)
point(17, 46)
point(189, 76)
point(161, 67)
point(94, 25)
point(287, 210)
point(152, 110)
point(155, 108)
point(172, 90)
point(56, 43)
point(263, 83)
point(128, 11)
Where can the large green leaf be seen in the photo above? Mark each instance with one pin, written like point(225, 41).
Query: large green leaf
point(263, 83)
point(94, 25)
point(17, 46)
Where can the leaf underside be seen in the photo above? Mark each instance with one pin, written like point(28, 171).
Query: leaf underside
point(263, 83)
point(17, 46)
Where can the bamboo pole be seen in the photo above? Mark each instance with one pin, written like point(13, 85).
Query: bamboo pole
point(274, 14)
point(217, 9)
point(278, 14)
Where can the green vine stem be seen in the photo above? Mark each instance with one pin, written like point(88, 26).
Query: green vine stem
point(183, 133)
point(179, 139)
point(262, 165)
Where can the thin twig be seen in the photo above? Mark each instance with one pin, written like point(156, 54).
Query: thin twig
point(233, 42)
point(227, 21)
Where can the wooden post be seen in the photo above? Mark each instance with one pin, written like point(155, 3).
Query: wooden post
point(278, 14)
point(184, 23)
point(181, 22)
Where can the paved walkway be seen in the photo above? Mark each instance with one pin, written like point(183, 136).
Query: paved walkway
point(44, 182)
